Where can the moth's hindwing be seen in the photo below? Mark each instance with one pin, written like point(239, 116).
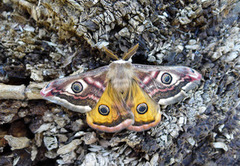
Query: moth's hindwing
point(145, 110)
point(111, 114)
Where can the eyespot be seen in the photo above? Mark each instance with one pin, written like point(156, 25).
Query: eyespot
point(77, 87)
point(103, 110)
point(166, 78)
point(142, 108)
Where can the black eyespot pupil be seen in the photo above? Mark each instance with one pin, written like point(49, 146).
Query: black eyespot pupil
point(142, 108)
point(103, 110)
point(166, 78)
point(77, 87)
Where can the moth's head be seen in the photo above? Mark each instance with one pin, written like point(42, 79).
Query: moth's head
point(120, 64)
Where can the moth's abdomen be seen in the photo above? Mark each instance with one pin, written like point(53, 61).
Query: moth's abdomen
point(121, 85)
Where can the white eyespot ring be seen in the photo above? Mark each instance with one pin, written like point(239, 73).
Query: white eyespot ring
point(77, 87)
point(142, 108)
point(166, 78)
point(103, 110)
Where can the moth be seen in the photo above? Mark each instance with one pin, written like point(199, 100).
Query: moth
point(122, 95)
